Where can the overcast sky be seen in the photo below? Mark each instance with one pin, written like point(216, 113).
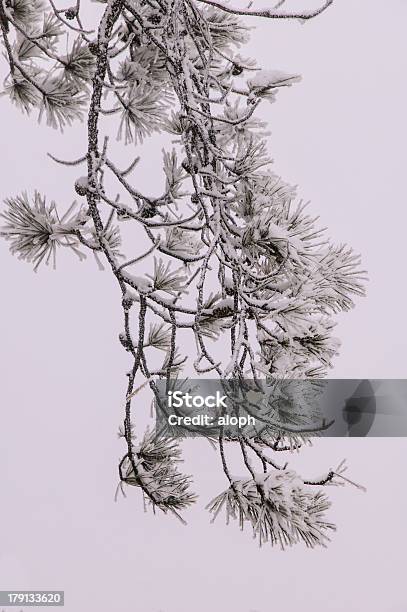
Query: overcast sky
point(340, 135)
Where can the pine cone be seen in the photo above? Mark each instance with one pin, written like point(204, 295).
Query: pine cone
point(236, 70)
point(71, 13)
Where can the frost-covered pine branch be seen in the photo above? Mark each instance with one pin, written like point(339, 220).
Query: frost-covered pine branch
point(223, 219)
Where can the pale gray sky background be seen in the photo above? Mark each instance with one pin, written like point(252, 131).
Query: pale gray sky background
point(340, 135)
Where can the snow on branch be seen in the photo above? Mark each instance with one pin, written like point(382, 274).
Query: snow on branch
point(223, 251)
point(270, 13)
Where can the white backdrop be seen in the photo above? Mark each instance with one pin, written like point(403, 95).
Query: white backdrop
point(340, 135)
